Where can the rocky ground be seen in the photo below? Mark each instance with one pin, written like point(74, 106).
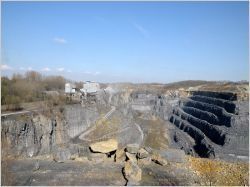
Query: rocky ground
point(126, 138)
point(98, 170)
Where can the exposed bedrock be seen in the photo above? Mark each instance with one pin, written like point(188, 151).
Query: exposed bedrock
point(204, 115)
point(227, 105)
point(202, 147)
point(212, 132)
point(150, 103)
point(29, 137)
point(220, 95)
point(224, 118)
point(79, 119)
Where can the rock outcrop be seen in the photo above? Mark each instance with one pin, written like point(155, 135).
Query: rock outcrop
point(28, 136)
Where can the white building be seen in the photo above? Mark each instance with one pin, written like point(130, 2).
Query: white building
point(90, 87)
point(70, 88)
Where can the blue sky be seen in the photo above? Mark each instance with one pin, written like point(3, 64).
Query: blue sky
point(127, 41)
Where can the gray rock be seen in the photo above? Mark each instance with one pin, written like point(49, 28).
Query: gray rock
point(132, 148)
point(37, 166)
point(144, 161)
point(148, 149)
point(173, 155)
point(142, 153)
point(98, 157)
point(131, 157)
point(61, 154)
point(132, 172)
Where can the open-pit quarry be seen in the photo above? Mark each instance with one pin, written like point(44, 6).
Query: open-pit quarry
point(130, 136)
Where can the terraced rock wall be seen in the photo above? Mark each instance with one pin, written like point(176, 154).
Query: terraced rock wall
point(206, 117)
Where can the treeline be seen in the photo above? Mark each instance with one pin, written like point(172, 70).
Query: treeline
point(28, 87)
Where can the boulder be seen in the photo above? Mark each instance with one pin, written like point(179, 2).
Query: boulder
point(74, 156)
point(98, 157)
point(120, 155)
point(83, 151)
point(104, 146)
point(81, 159)
point(144, 161)
point(132, 148)
point(131, 157)
point(149, 150)
point(158, 159)
point(142, 153)
point(61, 154)
point(173, 155)
point(132, 172)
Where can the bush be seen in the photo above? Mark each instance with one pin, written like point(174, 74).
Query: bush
point(29, 88)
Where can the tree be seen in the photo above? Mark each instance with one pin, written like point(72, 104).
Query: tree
point(33, 76)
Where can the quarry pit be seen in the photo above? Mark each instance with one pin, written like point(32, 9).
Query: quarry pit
point(177, 124)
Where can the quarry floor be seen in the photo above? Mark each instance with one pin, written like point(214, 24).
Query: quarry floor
point(84, 173)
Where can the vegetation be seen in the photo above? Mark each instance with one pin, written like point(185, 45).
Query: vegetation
point(220, 173)
point(27, 88)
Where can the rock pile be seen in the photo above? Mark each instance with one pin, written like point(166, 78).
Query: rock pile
point(132, 156)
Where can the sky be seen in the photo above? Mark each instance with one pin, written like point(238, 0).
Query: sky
point(126, 41)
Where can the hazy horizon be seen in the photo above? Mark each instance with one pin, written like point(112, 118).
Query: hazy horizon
point(137, 42)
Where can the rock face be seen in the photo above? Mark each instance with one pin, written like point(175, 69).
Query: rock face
point(214, 120)
point(79, 119)
point(29, 136)
point(132, 172)
point(152, 104)
point(104, 146)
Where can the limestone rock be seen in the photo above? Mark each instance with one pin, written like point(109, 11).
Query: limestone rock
point(158, 159)
point(81, 159)
point(74, 156)
point(142, 153)
point(173, 155)
point(132, 148)
point(83, 151)
point(37, 166)
point(98, 157)
point(120, 155)
point(149, 150)
point(61, 154)
point(144, 161)
point(131, 157)
point(132, 172)
point(104, 146)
